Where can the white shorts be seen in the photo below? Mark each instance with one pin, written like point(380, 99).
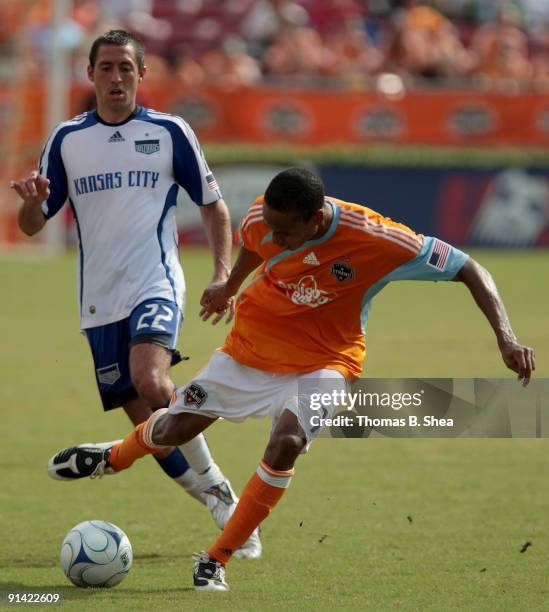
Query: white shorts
point(228, 389)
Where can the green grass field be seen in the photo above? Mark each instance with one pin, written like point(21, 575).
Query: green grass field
point(341, 537)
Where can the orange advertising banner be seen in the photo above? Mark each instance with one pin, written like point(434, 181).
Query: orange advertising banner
point(309, 117)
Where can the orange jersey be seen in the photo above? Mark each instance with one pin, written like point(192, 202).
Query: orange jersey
point(306, 309)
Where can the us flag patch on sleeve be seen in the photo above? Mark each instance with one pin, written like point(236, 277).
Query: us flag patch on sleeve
point(439, 254)
point(212, 183)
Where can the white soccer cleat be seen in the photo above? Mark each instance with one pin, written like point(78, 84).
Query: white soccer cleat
point(251, 549)
point(208, 575)
point(221, 501)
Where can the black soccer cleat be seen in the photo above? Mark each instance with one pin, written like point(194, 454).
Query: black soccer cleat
point(83, 461)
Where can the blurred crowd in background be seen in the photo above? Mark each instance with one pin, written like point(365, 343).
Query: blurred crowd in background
point(481, 44)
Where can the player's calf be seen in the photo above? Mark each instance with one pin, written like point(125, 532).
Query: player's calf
point(176, 429)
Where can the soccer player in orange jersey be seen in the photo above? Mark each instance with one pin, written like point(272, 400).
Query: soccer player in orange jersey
point(299, 329)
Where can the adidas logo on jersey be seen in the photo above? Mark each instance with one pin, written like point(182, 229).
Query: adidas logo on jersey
point(311, 259)
point(117, 137)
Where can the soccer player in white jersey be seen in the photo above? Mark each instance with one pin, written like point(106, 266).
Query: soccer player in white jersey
point(120, 167)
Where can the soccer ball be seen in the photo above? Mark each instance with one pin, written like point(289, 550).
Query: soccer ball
point(96, 554)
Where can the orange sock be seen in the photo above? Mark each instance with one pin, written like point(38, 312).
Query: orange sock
point(260, 496)
point(135, 445)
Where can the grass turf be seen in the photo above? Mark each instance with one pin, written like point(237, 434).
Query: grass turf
point(380, 524)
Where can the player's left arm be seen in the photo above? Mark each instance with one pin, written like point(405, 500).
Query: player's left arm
point(217, 225)
point(192, 172)
point(438, 261)
point(216, 221)
point(479, 281)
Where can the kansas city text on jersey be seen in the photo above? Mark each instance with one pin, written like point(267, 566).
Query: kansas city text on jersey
point(115, 180)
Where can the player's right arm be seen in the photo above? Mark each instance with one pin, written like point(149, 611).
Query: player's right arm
point(33, 191)
point(45, 190)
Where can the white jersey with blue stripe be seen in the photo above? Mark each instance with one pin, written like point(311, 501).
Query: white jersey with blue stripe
point(122, 182)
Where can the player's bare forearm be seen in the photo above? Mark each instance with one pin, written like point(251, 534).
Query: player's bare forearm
point(246, 262)
point(33, 191)
point(30, 219)
point(480, 283)
point(483, 289)
point(217, 225)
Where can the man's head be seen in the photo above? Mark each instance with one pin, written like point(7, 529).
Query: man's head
point(294, 207)
point(116, 67)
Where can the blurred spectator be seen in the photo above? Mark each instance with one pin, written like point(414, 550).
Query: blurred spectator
point(501, 44)
point(265, 18)
point(12, 17)
point(87, 14)
point(426, 44)
point(325, 16)
point(188, 71)
point(536, 13)
point(230, 66)
point(355, 56)
point(120, 9)
point(540, 59)
point(39, 36)
point(298, 51)
point(260, 24)
point(502, 51)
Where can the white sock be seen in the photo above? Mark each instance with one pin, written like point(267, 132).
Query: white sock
point(191, 483)
point(200, 459)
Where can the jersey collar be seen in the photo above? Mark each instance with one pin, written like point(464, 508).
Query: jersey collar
point(136, 112)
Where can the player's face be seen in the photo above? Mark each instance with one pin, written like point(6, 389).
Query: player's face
point(289, 230)
point(115, 77)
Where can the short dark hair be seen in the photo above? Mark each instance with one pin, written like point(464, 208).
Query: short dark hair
point(120, 38)
point(296, 190)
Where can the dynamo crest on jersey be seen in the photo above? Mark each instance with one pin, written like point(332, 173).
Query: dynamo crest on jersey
point(194, 394)
point(343, 271)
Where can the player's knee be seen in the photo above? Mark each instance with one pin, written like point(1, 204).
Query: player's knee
point(283, 449)
point(153, 389)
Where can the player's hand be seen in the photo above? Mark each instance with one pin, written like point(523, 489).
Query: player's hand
point(33, 190)
point(520, 359)
point(216, 301)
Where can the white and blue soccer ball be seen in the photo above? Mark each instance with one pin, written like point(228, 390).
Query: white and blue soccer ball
point(96, 554)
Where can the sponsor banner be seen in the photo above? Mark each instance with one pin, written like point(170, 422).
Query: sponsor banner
point(317, 116)
point(425, 408)
point(270, 114)
point(499, 207)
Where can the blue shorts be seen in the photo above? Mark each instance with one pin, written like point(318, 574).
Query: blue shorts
point(155, 321)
